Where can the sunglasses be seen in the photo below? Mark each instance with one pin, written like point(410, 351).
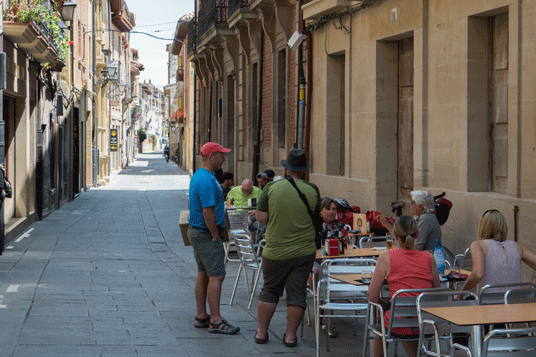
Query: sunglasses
point(489, 211)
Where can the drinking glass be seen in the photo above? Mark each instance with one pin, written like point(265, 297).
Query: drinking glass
point(366, 276)
point(390, 242)
point(351, 242)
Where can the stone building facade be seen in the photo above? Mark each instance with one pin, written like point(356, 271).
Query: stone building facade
point(400, 95)
point(245, 81)
point(54, 103)
point(427, 95)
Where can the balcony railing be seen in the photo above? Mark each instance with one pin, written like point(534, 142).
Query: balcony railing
point(235, 5)
point(212, 12)
point(192, 36)
point(40, 13)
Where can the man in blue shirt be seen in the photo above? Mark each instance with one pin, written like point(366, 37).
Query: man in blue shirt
point(207, 221)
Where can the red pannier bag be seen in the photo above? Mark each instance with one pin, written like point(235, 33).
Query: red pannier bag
point(372, 218)
point(346, 217)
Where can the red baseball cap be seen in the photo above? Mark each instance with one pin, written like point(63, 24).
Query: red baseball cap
point(211, 148)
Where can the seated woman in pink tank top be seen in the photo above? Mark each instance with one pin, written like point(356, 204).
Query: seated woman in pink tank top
point(495, 259)
point(404, 268)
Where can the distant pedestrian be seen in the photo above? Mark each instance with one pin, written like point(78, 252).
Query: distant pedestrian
point(270, 174)
point(289, 253)
point(240, 195)
point(262, 179)
point(226, 180)
point(207, 221)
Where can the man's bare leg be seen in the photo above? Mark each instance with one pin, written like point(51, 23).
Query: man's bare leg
point(213, 297)
point(265, 312)
point(294, 317)
point(201, 285)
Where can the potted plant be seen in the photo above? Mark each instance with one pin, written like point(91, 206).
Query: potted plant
point(39, 13)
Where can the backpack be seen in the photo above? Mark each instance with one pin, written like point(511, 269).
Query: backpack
point(5, 185)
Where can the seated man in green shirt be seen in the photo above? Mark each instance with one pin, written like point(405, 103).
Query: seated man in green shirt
point(241, 194)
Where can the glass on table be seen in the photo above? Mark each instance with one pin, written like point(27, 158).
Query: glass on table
point(366, 276)
point(390, 241)
point(351, 243)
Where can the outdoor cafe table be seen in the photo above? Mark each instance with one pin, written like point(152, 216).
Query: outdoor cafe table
point(356, 253)
point(355, 279)
point(479, 315)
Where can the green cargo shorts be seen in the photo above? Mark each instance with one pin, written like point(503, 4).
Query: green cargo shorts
point(209, 255)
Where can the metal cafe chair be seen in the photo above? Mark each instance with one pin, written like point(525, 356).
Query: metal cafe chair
point(510, 343)
point(463, 261)
point(494, 293)
point(337, 296)
point(457, 347)
point(247, 253)
point(403, 313)
point(372, 242)
point(238, 224)
point(520, 296)
point(435, 329)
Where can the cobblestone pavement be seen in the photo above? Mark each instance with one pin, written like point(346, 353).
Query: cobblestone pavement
point(108, 275)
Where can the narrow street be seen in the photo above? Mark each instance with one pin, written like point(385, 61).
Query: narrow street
point(108, 275)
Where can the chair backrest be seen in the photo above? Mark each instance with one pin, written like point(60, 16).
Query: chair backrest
point(457, 347)
point(431, 323)
point(520, 296)
point(404, 308)
point(371, 242)
point(463, 261)
point(346, 266)
point(510, 342)
point(444, 298)
point(494, 294)
point(238, 220)
point(449, 256)
point(246, 251)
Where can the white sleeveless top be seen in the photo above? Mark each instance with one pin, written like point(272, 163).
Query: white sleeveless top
point(501, 269)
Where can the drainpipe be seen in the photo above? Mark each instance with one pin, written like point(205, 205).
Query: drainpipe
point(2, 132)
point(301, 86)
point(39, 163)
point(94, 126)
point(194, 82)
point(309, 95)
point(257, 147)
point(516, 216)
point(70, 181)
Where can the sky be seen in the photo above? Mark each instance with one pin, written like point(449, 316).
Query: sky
point(158, 18)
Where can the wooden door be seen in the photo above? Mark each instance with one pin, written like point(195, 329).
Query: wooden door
point(405, 120)
point(498, 103)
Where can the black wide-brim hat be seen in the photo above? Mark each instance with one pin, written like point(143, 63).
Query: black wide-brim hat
point(296, 161)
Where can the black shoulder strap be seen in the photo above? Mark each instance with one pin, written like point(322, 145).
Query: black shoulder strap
point(302, 196)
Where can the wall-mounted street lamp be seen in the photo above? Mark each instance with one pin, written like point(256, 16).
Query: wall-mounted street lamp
point(110, 70)
point(67, 12)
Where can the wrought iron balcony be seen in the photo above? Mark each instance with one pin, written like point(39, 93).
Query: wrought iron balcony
point(211, 12)
point(192, 36)
point(235, 5)
point(36, 28)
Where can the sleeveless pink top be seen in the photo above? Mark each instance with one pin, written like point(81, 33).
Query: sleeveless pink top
point(410, 269)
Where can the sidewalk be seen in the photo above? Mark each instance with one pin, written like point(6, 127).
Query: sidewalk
point(108, 275)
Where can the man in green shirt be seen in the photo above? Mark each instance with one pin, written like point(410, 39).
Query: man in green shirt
point(290, 250)
point(241, 194)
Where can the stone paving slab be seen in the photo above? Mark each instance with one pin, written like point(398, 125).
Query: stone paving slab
point(108, 275)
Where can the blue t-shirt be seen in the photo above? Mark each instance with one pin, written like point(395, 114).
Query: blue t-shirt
point(205, 191)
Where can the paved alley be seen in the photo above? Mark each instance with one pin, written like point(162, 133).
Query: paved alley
point(108, 275)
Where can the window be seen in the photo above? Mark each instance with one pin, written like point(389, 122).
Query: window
point(498, 103)
point(335, 96)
